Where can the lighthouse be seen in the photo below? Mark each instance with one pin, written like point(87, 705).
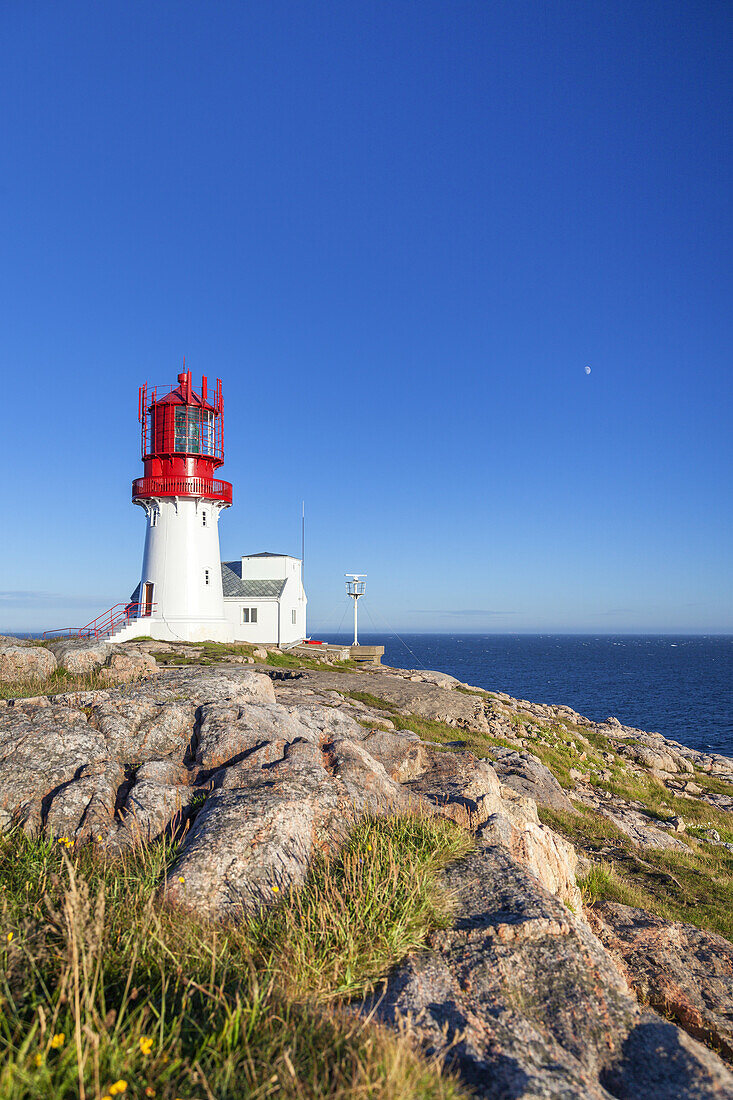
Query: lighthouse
point(180, 592)
point(186, 593)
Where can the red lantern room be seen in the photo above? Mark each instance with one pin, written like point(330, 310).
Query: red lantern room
point(182, 442)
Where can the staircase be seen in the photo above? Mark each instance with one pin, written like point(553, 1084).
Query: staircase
point(106, 625)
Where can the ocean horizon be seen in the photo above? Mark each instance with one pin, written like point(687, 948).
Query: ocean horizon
point(679, 685)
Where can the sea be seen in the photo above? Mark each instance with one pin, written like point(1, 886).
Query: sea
point(679, 686)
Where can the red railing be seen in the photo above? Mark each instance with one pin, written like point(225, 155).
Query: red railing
point(118, 615)
point(206, 487)
point(206, 411)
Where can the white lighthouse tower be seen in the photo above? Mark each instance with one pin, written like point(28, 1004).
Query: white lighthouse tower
point(180, 594)
point(186, 593)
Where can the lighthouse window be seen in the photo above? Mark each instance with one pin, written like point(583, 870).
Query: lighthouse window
point(207, 433)
point(154, 517)
point(203, 519)
point(206, 576)
point(188, 430)
point(293, 617)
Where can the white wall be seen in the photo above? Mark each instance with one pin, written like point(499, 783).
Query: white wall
point(264, 631)
point(179, 548)
point(293, 599)
point(255, 568)
point(274, 624)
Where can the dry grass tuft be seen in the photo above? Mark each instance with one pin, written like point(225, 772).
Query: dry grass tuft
point(100, 984)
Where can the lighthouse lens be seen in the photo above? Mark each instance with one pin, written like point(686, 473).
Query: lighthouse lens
point(207, 433)
point(188, 430)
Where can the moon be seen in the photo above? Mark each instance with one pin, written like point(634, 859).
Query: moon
point(587, 370)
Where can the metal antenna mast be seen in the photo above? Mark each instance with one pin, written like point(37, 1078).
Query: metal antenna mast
point(355, 587)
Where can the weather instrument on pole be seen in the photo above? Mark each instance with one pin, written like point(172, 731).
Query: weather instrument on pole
point(355, 587)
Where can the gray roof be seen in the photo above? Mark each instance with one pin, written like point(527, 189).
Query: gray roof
point(268, 554)
point(234, 586)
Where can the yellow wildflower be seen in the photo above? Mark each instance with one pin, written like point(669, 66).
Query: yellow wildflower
point(118, 1087)
point(369, 847)
point(149, 1091)
point(181, 878)
point(276, 889)
point(146, 1045)
point(9, 937)
point(106, 1097)
point(58, 1041)
point(39, 1059)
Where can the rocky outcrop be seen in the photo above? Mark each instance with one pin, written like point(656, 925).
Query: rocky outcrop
point(524, 1002)
point(548, 856)
point(272, 808)
point(121, 668)
point(257, 778)
point(80, 656)
point(525, 774)
point(680, 970)
point(634, 823)
point(25, 662)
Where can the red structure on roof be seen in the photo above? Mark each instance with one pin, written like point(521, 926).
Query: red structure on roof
point(182, 442)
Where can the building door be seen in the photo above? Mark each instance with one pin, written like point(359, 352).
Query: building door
point(147, 607)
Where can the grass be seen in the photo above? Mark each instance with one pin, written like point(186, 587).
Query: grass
point(430, 729)
point(100, 983)
point(294, 660)
point(203, 653)
point(361, 912)
point(370, 700)
point(693, 885)
point(59, 682)
point(209, 653)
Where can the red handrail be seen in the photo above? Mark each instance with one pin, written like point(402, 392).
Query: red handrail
point(105, 623)
point(210, 488)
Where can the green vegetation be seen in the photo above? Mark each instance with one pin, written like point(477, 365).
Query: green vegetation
point(564, 746)
point(295, 660)
point(210, 653)
point(203, 653)
point(694, 885)
point(360, 913)
point(429, 729)
point(480, 744)
point(59, 682)
point(104, 990)
point(370, 700)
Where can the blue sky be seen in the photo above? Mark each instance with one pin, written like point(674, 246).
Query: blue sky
point(399, 233)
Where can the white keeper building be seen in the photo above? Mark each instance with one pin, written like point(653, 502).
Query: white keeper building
point(264, 598)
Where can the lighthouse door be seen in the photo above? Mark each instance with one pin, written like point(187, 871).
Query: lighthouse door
point(147, 598)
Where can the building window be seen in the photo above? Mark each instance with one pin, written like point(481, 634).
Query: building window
point(293, 617)
point(206, 576)
point(249, 614)
point(154, 517)
point(203, 519)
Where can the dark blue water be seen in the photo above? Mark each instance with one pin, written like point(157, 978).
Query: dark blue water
point(681, 687)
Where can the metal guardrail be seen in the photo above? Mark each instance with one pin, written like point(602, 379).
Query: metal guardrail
point(118, 615)
point(210, 488)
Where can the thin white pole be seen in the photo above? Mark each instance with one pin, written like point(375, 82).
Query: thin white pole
point(356, 638)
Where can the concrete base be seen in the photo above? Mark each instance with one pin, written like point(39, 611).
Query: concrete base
point(367, 654)
point(172, 630)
